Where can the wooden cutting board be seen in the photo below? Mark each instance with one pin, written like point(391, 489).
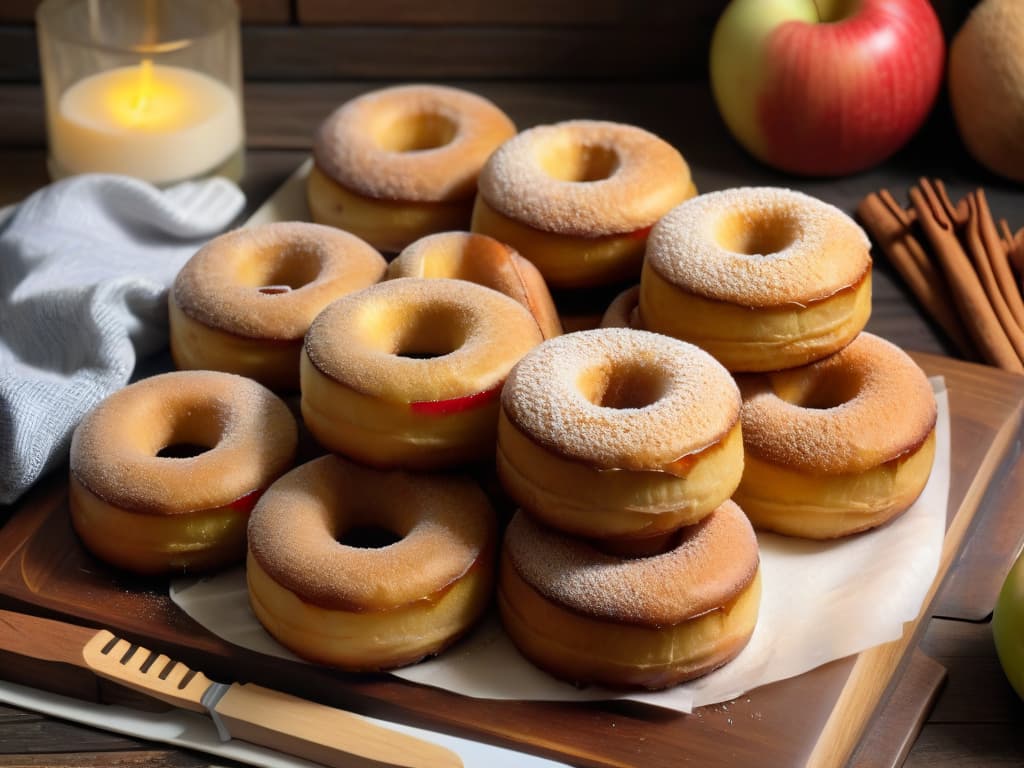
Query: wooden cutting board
point(815, 719)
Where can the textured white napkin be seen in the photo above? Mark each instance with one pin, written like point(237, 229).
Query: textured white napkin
point(85, 265)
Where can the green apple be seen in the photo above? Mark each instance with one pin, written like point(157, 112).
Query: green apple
point(1008, 626)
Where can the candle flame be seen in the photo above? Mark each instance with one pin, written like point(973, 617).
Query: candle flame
point(144, 93)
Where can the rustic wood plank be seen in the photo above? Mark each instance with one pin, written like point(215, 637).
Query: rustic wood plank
point(460, 12)
point(968, 746)
point(896, 725)
point(46, 735)
point(140, 758)
point(266, 11)
point(976, 577)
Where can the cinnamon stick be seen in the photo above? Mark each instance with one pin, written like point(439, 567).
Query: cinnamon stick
point(968, 294)
point(890, 226)
point(998, 259)
point(982, 260)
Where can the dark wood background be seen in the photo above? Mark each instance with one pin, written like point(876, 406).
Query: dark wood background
point(383, 39)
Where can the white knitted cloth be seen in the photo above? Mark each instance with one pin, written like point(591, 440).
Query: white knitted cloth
point(85, 265)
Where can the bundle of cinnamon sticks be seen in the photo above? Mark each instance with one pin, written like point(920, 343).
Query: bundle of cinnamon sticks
point(963, 268)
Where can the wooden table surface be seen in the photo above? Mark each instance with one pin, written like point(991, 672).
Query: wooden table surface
point(977, 720)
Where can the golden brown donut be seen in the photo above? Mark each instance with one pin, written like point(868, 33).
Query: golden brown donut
point(407, 373)
point(366, 608)
point(150, 513)
point(760, 277)
point(481, 259)
point(578, 198)
point(587, 616)
point(624, 310)
point(399, 163)
point(619, 434)
point(244, 302)
point(838, 446)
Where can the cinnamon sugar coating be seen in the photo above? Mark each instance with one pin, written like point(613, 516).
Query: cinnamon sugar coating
point(220, 285)
point(665, 398)
point(759, 247)
point(639, 178)
point(479, 334)
point(349, 149)
point(709, 565)
point(444, 523)
point(250, 433)
point(867, 404)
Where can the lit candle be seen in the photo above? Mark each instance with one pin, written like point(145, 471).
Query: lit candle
point(155, 122)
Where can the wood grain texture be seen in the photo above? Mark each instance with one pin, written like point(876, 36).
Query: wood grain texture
point(900, 718)
point(143, 756)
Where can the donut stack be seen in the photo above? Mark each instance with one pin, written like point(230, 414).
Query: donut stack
point(626, 565)
point(838, 424)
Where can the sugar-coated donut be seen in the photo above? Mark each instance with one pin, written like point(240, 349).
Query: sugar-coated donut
point(407, 373)
point(399, 163)
point(481, 259)
point(244, 302)
point(588, 616)
point(838, 446)
point(624, 310)
point(151, 513)
point(619, 434)
point(366, 608)
point(578, 198)
point(762, 278)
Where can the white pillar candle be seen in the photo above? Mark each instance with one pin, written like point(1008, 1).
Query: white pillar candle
point(157, 123)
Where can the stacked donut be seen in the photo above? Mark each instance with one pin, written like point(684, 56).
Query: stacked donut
point(627, 564)
point(777, 286)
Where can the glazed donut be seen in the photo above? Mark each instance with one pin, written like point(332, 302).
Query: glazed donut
point(366, 608)
point(151, 513)
point(399, 163)
point(619, 434)
point(838, 446)
point(762, 278)
point(407, 373)
point(578, 198)
point(587, 616)
point(244, 302)
point(481, 259)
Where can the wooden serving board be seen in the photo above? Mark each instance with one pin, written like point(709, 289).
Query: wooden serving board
point(816, 719)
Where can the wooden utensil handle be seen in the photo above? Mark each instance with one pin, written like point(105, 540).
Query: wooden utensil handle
point(323, 734)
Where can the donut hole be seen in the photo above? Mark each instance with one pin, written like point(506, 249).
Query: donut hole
point(578, 163)
point(368, 537)
point(767, 233)
point(624, 386)
point(189, 432)
point(416, 132)
point(828, 389)
point(431, 332)
point(182, 451)
point(283, 272)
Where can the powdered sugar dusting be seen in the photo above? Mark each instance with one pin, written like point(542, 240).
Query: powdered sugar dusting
point(698, 403)
point(353, 340)
point(712, 562)
point(829, 250)
point(650, 177)
point(890, 410)
point(346, 148)
point(114, 449)
point(444, 522)
point(215, 288)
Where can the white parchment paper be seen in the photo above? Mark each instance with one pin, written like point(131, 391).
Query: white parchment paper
point(821, 601)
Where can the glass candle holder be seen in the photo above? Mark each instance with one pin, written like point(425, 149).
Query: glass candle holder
point(146, 88)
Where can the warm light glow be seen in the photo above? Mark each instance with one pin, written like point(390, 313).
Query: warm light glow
point(145, 93)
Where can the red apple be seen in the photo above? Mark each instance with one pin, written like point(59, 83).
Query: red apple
point(826, 87)
point(455, 404)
